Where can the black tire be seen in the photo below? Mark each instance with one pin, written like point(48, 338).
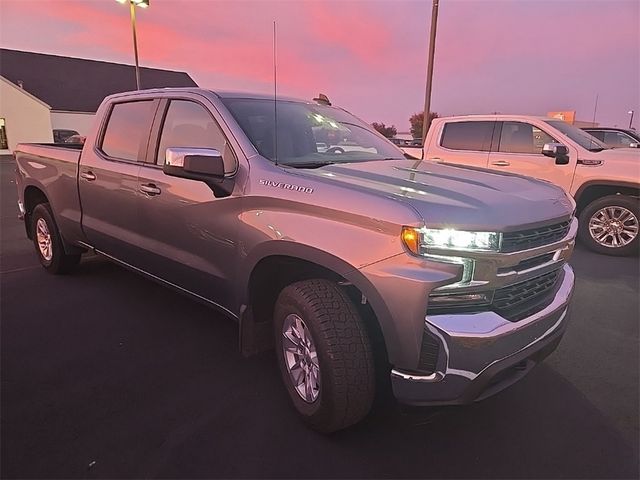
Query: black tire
point(59, 262)
point(621, 201)
point(345, 358)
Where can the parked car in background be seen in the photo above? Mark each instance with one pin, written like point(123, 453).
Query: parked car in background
point(354, 263)
point(61, 135)
point(605, 182)
point(615, 137)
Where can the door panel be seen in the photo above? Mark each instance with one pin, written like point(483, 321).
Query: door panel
point(188, 234)
point(519, 151)
point(108, 179)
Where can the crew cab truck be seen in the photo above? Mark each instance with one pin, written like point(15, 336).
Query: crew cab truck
point(604, 182)
point(356, 264)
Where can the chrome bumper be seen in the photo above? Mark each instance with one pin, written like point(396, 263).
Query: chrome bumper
point(483, 353)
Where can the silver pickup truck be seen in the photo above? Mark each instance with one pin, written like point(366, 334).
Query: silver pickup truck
point(362, 268)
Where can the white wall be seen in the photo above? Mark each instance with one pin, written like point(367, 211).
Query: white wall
point(80, 122)
point(27, 119)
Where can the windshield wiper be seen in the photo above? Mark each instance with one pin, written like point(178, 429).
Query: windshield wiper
point(307, 164)
point(597, 149)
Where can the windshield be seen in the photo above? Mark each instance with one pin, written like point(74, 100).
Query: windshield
point(308, 135)
point(581, 137)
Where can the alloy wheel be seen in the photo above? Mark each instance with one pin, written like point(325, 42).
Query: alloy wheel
point(301, 358)
point(613, 226)
point(44, 239)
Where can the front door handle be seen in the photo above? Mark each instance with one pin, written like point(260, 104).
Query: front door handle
point(150, 189)
point(88, 176)
point(501, 163)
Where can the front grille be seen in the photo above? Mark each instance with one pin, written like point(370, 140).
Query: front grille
point(520, 300)
point(428, 353)
point(534, 237)
point(528, 263)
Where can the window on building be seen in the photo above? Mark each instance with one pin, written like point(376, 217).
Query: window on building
point(127, 130)
point(467, 136)
point(4, 144)
point(518, 137)
point(189, 124)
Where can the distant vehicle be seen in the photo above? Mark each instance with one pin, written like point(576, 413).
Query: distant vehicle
point(615, 137)
point(452, 282)
point(61, 135)
point(605, 182)
point(76, 139)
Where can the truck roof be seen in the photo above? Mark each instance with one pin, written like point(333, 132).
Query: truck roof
point(218, 93)
point(499, 117)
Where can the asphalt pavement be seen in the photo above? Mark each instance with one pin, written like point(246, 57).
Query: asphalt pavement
point(106, 374)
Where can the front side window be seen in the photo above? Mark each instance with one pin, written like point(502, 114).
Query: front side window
point(474, 136)
point(127, 130)
point(518, 137)
point(189, 124)
point(618, 139)
point(308, 135)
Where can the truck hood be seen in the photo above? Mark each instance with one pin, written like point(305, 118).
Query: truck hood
point(615, 154)
point(454, 196)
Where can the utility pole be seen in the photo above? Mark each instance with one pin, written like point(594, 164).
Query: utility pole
point(432, 49)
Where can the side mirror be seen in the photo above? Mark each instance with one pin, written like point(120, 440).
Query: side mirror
point(557, 151)
point(194, 163)
point(634, 145)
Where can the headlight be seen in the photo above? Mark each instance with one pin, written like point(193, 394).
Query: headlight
point(420, 240)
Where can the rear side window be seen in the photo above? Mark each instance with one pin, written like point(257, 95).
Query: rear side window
point(189, 124)
point(599, 135)
point(127, 131)
point(467, 136)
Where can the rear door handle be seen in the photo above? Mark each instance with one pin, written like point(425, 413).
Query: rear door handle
point(88, 176)
point(150, 189)
point(501, 163)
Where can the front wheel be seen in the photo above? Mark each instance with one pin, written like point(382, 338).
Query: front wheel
point(324, 354)
point(48, 242)
point(610, 225)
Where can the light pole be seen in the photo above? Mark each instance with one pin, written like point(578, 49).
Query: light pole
point(426, 122)
point(630, 112)
point(132, 7)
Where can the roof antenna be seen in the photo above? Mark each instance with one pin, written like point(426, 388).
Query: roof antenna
point(275, 97)
point(595, 109)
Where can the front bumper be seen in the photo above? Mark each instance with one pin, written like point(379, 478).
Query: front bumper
point(483, 353)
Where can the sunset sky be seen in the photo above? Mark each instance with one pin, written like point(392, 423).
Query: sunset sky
point(510, 56)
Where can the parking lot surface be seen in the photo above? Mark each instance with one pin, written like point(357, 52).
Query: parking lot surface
point(106, 374)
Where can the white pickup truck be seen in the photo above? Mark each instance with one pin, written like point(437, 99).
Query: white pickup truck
point(604, 182)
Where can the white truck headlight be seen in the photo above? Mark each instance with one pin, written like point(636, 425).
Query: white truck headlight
point(421, 240)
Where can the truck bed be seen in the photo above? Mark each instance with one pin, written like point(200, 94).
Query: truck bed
point(50, 168)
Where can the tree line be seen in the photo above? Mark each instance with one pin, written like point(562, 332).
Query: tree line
point(416, 120)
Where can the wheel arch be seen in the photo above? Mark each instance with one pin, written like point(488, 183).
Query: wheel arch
point(590, 191)
point(33, 196)
point(279, 263)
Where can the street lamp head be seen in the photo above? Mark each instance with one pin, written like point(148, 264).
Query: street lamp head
point(630, 112)
point(137, 3)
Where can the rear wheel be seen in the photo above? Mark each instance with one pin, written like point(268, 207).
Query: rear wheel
point(610, 225)
point(324, 354)
point(48, 242)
